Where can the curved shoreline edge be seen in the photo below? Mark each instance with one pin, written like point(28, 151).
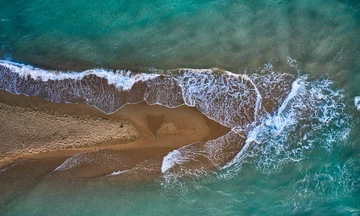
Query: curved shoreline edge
point(252, 107)
point(33, 125)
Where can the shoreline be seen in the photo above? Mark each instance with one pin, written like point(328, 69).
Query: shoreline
point(33, 127)
point(40, 137)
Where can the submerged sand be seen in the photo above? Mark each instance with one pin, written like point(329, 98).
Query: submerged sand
point(38, 137)
point(32, 127)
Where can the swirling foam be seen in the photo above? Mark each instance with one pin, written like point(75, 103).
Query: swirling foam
point(302, 121)
point(357, 102)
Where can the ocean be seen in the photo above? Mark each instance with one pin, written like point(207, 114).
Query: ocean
point(282, 75)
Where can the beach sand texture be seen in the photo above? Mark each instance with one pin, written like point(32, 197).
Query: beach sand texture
point(33, 127)
point(37, 137)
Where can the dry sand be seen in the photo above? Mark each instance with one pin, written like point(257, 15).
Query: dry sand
point(37, 137)
point(31, 127)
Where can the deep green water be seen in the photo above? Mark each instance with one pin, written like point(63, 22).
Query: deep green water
point(234, 35)
point(282, 175)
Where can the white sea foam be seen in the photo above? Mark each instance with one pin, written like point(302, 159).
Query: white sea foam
point(195, 160)
point(105, 158)
point(170, 160)
point(71, 162)
point(118, 172)
point(357, 102)
point(74, 161)
point(336, 180)
point(181, 156)
point(230, 99)
point(299, 123)
point(124, 79)
point(3, 170)
point(277, 122)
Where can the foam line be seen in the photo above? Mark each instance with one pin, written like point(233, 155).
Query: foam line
point(357, 102)
point(124, 79)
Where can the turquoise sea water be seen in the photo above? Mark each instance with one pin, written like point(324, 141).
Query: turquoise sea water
point(303, 158)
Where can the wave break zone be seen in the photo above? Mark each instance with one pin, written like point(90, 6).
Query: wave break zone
point(243, 103)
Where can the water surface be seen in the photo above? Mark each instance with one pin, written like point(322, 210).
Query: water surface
point(302, 157)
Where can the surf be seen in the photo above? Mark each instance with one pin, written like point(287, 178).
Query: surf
point(256, 107)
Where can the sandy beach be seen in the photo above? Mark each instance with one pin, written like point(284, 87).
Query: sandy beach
point(38, 137)
point(31, 127)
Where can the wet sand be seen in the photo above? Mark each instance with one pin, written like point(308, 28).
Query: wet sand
point(40, 138)
point(31, 127)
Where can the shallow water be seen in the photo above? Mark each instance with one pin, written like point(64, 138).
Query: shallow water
point(301, 146)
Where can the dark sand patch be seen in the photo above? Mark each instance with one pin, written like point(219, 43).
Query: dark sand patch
point(154, 122)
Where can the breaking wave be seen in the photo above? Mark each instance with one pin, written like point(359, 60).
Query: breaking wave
point(301, 122)
point(274, 116)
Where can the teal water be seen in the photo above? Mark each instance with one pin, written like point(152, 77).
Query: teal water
point(310, 167)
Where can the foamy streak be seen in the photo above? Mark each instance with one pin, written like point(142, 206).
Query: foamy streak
point(72, 162)
point(277, 121)
point(104, 157)
point(3, 170)
point(230, 99)
point(118, 172)
point(197, 159)
point(300, 123)
point(124, 79)
point(172, 158)
point(296, 86)
point(357, 102)
point(273, 87)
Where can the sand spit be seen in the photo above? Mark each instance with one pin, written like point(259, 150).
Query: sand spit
point(31, 125)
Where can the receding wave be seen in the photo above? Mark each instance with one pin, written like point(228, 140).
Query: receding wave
point(263, 109)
